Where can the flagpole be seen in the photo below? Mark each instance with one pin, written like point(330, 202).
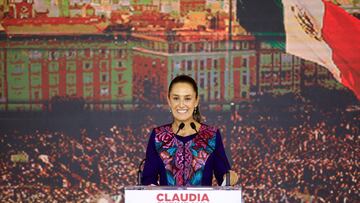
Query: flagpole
point(229, 69)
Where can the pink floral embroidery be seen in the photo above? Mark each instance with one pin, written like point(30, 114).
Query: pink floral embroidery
point(199, 161)
point(167, 159)
point(164, 135)
point(183, 164)
point(205, 133)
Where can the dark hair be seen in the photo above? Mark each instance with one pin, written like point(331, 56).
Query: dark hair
point(191, 81)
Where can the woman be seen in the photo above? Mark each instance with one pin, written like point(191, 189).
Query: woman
point(185, 152)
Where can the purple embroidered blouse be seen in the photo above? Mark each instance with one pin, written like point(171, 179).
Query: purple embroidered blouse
point(178, 161)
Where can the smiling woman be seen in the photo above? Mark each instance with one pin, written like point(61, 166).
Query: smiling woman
point(185, 152)
point(183, 101)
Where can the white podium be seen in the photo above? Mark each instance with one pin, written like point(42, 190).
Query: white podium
point(156, 194)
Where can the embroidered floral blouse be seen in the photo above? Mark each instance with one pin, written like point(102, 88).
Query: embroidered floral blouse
point(182, 161)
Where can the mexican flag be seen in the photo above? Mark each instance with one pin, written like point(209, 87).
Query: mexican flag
point(315, 30)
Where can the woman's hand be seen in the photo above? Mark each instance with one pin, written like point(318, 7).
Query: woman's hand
point(233, 177)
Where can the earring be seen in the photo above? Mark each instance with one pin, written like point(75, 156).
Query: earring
point(195, 110)
point(170, 110)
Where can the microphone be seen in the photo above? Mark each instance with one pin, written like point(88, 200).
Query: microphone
point(227, 177)
point(181, 126)
point(139, 173)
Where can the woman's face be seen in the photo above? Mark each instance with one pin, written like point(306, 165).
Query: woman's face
point(182, 101)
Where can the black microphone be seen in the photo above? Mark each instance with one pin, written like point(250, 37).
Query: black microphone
point(227, 177)
point(139, 174)
point(181, 126)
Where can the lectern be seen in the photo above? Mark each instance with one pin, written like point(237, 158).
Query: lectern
point(157, 194)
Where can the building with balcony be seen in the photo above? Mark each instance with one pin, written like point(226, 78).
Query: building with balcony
point(278, 72)
point(225, 70)
point(38, 72)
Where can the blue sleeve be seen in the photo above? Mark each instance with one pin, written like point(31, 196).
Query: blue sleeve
point(151, 170)
point(221, 163)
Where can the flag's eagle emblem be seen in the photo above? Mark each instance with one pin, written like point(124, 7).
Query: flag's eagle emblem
point(307, 22)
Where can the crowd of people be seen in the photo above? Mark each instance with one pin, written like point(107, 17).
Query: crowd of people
point(307, 160)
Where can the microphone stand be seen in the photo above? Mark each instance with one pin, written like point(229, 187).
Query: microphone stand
point(139, 173)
